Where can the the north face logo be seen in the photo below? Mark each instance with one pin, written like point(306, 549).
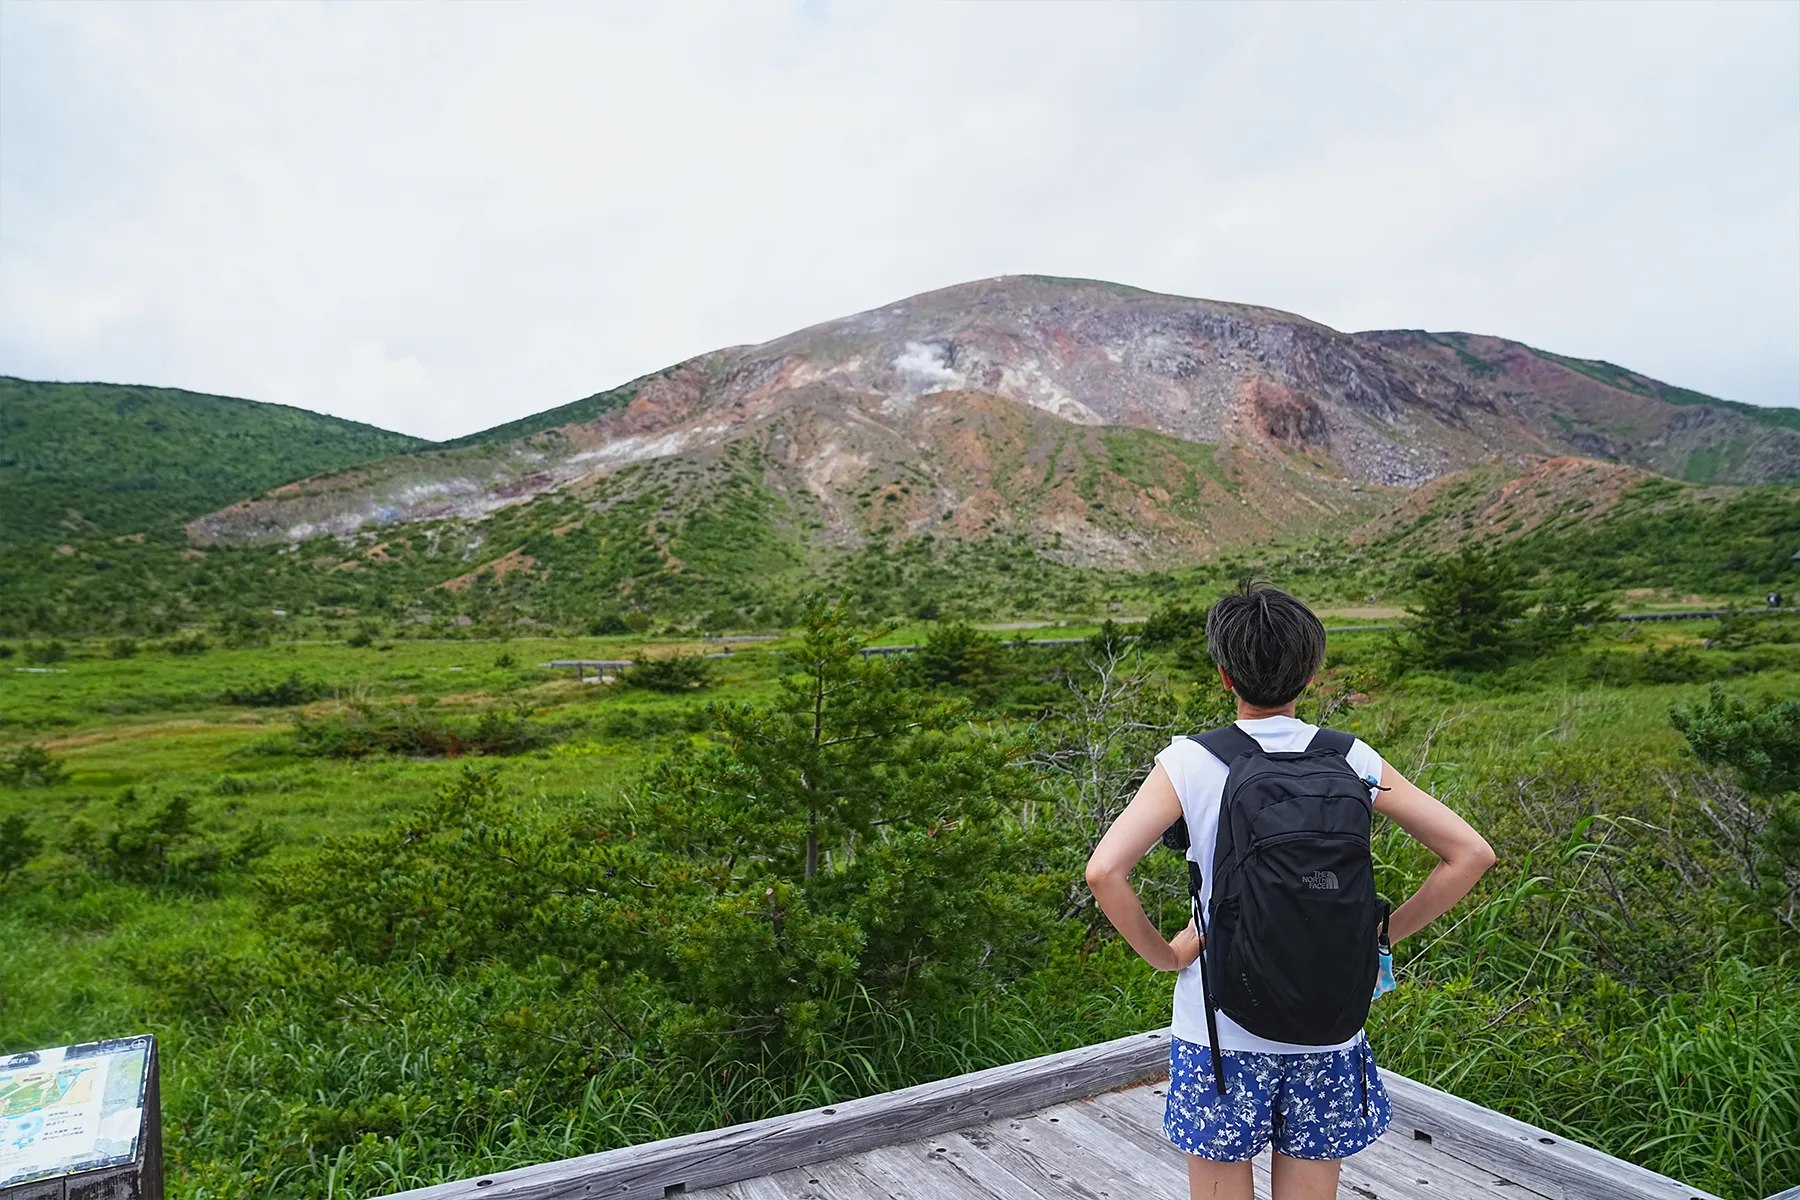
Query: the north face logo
point(1321, 881)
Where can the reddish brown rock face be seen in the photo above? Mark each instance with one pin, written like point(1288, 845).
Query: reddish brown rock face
point(1283, 414)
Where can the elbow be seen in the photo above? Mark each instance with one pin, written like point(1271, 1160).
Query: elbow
point(1100, 873)
point(1482, 857)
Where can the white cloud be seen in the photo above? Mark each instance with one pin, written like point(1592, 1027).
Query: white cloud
point(438, 218)
point(384, 386)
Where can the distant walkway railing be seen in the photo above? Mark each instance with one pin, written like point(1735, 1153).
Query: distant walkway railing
point(604, 666)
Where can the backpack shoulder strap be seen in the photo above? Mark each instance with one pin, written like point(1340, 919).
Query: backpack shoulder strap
point(1227, 743)
point(1335, 740)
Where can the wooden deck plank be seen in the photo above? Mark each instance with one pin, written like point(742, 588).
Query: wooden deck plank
point(1139, 1112)
point(1027, 1163)
point(1390, 1174)
point(1406, 1153)
point(845, 1179)
point(981, 1167)
point(762, 1187)
point(1135, 1114)
point(919, 1171)
point(1054, 1141)
point(1106, 1141)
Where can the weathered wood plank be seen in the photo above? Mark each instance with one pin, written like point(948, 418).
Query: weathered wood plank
point(841, 1179)
point(969, 1152)
point(1390, 1178)
point(1406, 1159)
point(1105, 1142)
point(744, 1189)
point(1137, 1114)
point(918, 1172)
point(1038, 1179)
point(1523, 1153)
point(722, 1156)
point(1055, 1168)
point(797, 1184)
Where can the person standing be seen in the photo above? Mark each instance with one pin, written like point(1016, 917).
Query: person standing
point(1267, 1043)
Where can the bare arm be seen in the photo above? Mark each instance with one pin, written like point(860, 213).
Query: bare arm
point(1152, 810)
point(1464, 854)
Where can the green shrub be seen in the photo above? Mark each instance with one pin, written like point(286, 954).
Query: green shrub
point(1472, 612)
point(1111, 640)
point(1759, 744)
point(31, 766)
point(160, 844)
point(608, 624)
point(677, 673)
point(188, 645)
point(46, 653)
point(1465, 613)
point(285, 693)
point(959, 655)
point(123, 647)
point(1175, 625)
point(246, 627)
point(1672, 664)
point(18, 845)
point(722, 620)
point(363, 727)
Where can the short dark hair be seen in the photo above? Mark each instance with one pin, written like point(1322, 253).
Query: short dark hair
point(1269, 643)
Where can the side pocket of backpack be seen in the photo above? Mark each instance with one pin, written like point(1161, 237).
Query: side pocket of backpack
point(1225, 941)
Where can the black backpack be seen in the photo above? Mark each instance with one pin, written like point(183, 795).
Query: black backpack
point(1291, 928)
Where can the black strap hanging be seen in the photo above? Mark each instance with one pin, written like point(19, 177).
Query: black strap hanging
point(1227, 744)
point(1206, 996)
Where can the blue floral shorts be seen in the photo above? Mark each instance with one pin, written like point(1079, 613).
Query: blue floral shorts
point(1325, 1105)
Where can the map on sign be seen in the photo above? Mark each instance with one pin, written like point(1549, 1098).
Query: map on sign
point(75, 1108)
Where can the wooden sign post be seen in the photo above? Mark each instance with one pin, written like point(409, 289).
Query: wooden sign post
point(82, 1122)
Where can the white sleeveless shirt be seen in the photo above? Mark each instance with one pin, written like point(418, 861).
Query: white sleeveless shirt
point(1199, 781)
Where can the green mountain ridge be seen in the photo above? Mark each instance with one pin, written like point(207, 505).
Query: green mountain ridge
point(1614, 375)
point(101, 459)
point(588, 408)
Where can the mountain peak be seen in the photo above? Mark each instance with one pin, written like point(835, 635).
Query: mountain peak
point(1099, 422)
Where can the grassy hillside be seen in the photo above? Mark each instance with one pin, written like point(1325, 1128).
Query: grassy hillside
point(98, 459)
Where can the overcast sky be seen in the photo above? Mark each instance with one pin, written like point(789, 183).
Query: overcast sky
point(437, 218)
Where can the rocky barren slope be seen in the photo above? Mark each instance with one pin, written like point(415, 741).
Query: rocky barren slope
point(1102, 423)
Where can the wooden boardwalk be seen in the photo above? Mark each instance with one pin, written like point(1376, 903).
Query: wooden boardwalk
point(1082, 1125)
point(1107, 1147)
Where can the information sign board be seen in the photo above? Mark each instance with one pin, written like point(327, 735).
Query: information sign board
point(79, 1109)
